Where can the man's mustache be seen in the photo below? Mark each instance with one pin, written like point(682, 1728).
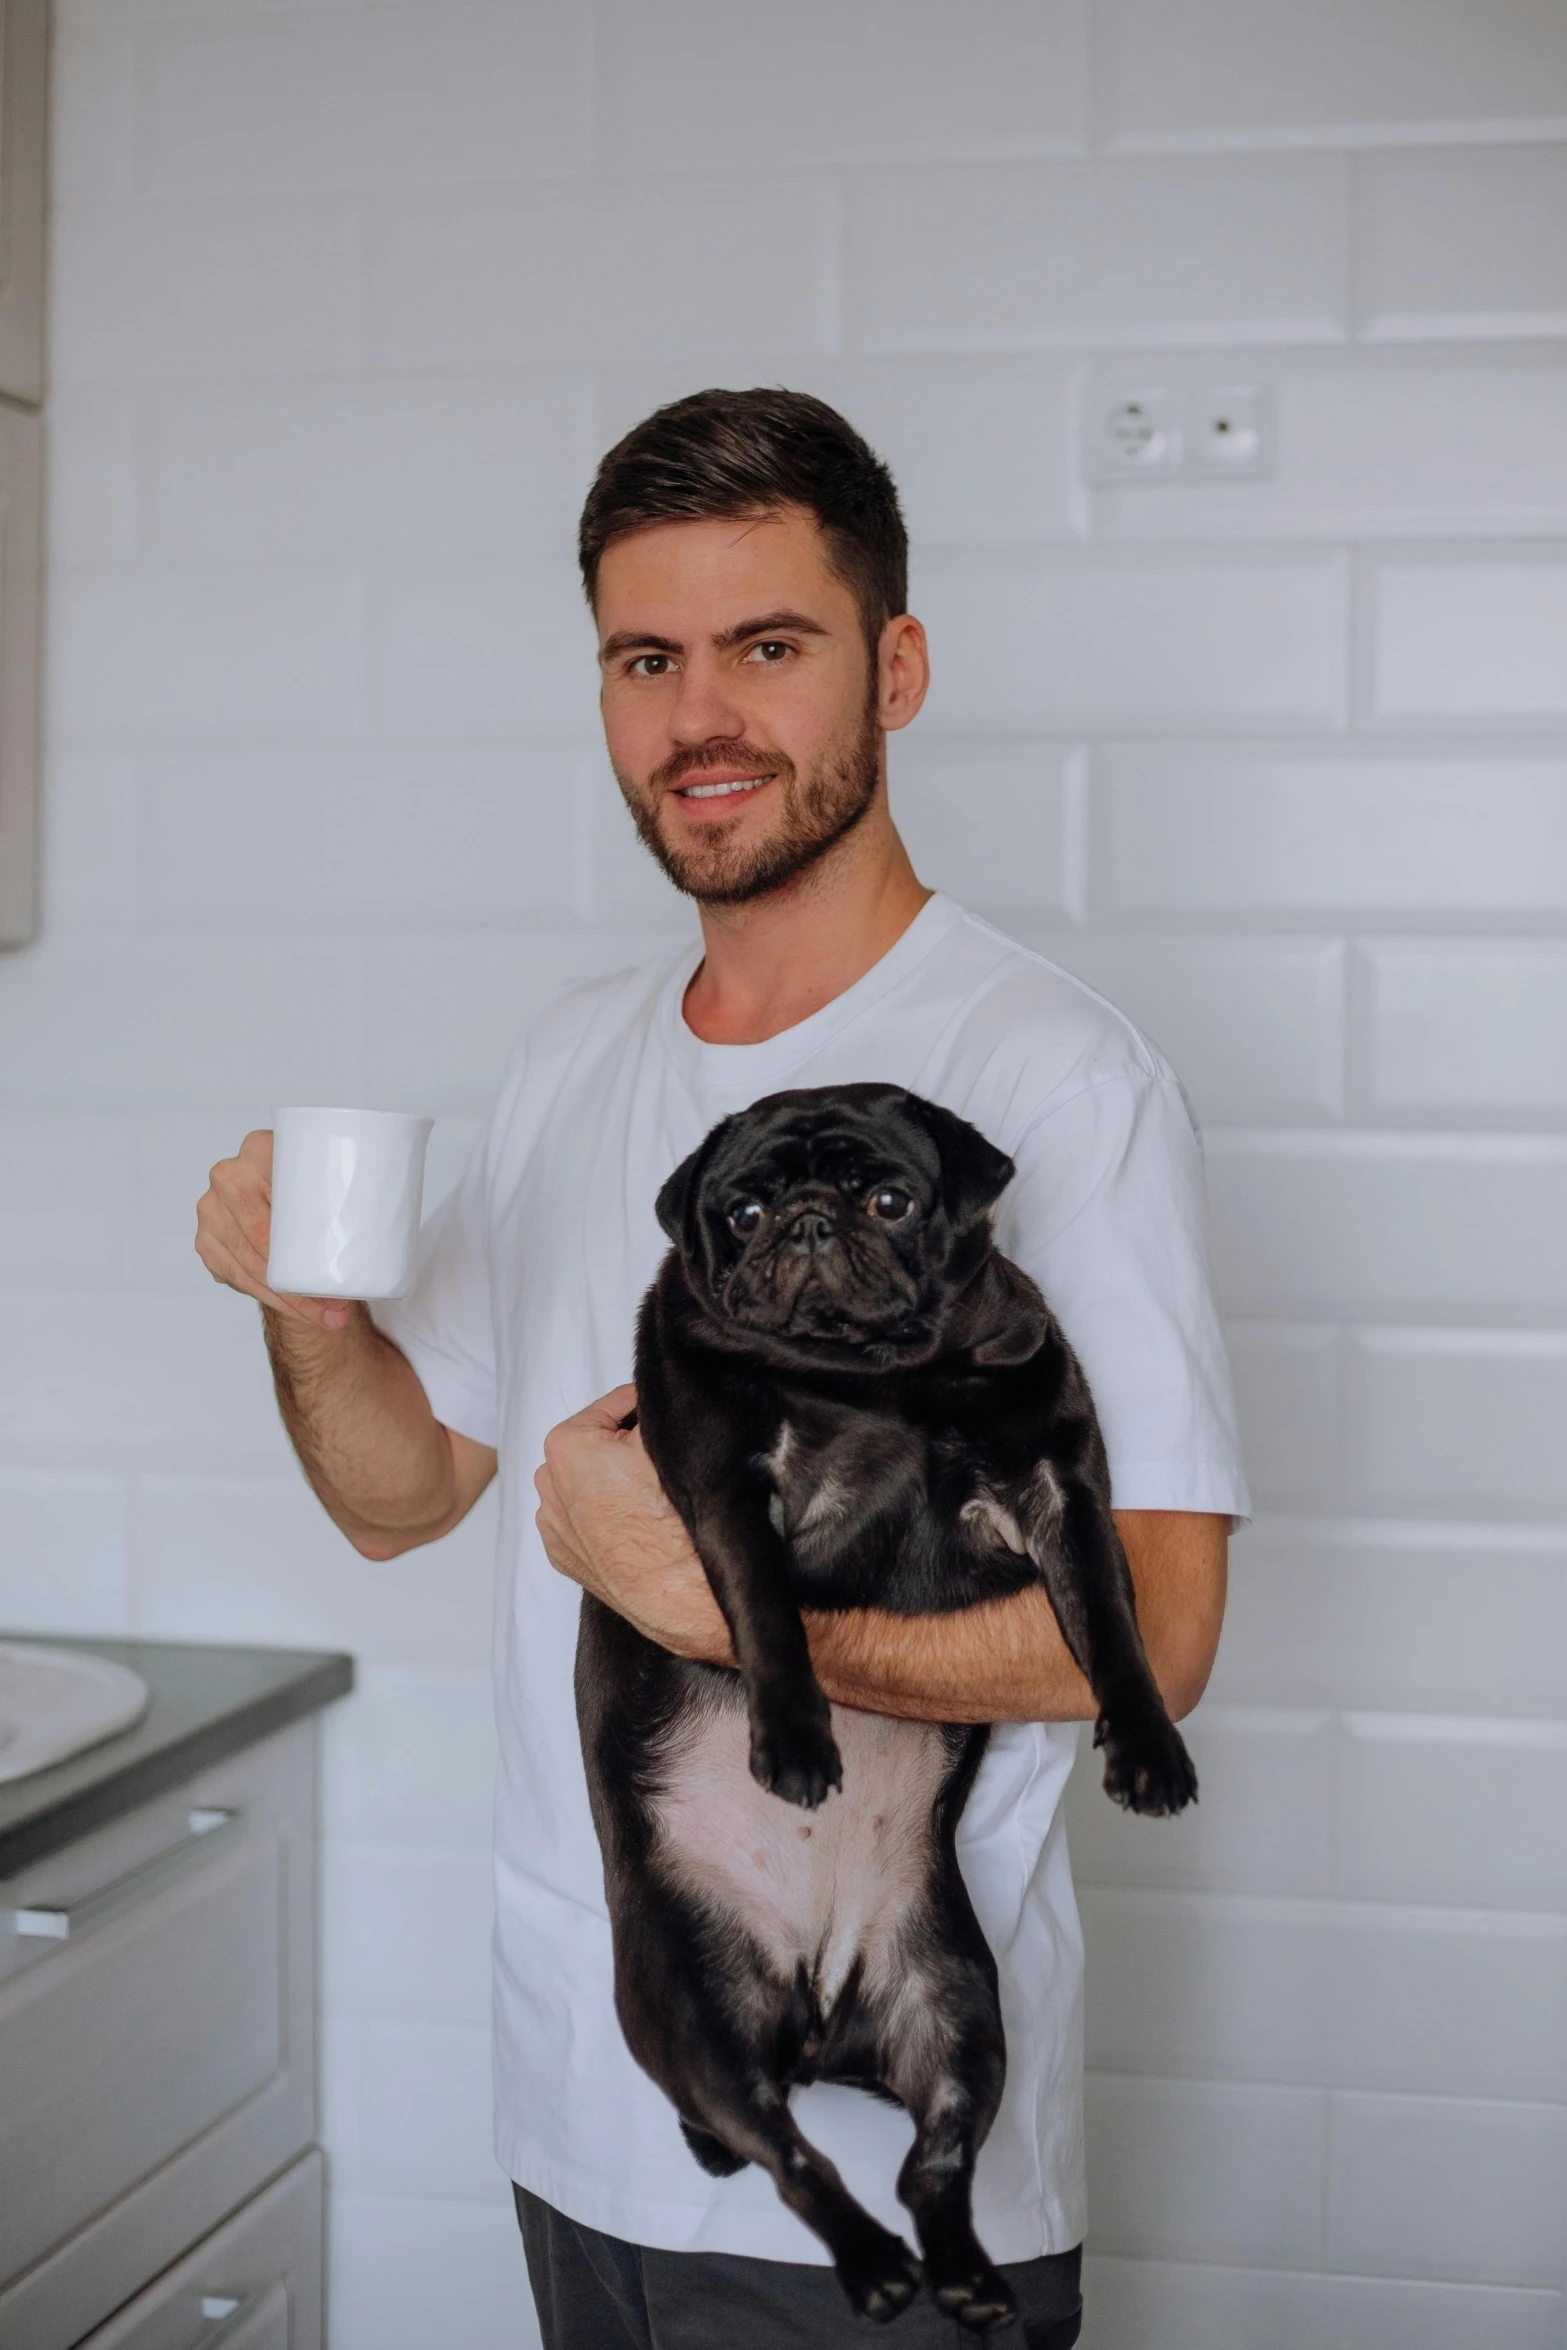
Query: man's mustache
point(740, 758)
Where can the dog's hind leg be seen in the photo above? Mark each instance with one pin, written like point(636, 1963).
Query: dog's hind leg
point(875, 2267)
point(715, 2157)
point(947, 2066)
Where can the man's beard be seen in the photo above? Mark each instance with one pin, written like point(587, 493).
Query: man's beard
point(817, 814)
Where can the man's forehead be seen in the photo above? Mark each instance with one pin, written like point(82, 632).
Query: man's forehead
point(680, 580)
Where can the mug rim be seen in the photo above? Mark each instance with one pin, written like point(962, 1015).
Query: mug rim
point(327, 1110)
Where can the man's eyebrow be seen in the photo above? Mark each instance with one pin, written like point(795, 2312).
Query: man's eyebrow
point(769, 624)
point(635, 640)
point(629, 640)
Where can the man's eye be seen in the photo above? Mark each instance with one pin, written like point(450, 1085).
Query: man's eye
point(890, 1204)
point(651, 665)
point(771, 650)
point(745, 1218)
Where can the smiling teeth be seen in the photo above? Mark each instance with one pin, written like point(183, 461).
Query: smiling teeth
point(714, 791)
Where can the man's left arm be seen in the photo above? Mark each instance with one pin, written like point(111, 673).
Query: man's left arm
point(606, 1523)
point(1006, 1661)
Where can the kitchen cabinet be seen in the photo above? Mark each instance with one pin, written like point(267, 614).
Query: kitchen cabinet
point(254, 2284)
point(157, 2031)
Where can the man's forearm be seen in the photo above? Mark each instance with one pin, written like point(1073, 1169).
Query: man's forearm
point(606, 1523)
point(366, 1437)
point(1006, 1661)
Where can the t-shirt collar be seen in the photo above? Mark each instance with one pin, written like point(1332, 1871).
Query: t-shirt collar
point(742, 1072)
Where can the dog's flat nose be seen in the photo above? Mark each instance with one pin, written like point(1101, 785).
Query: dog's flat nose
point(812, 1230)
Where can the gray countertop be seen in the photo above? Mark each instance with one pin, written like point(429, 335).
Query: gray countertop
point(206, 1703)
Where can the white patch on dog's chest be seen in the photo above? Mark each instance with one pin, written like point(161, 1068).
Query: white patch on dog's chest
point(817, 1889)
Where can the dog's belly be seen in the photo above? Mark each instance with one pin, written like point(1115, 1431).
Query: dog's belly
point(816, 1890)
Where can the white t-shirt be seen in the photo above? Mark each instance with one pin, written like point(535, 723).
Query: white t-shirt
point(525, 1310)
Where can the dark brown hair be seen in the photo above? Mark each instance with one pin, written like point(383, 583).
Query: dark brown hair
point(719, 453)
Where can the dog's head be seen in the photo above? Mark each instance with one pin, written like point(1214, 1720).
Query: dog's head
point(841, 1226)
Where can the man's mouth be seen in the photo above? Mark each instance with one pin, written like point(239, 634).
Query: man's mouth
point(718, 791)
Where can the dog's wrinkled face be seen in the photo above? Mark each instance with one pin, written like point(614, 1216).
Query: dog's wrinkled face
point(835, 1221)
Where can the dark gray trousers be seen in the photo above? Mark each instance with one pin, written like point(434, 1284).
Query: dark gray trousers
point(595, 2293)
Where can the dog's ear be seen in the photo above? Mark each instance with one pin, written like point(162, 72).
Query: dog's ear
point(1014, 1320)
point(974, 1173)
point(676, 1204)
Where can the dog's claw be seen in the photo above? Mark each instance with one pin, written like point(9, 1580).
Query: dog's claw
point(981, 2303)
point(1148, 1769)
point(883, 2280)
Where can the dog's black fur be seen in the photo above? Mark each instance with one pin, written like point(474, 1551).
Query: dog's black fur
point(853, 1400)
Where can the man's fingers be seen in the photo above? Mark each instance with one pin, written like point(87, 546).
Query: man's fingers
point(550, 1516)
point(603, 1416)
point(236, 1211)
point(227, 1241)
point(222, 1229)
point(225, 1265)
point(555, 1532)
point(319, 1313)
point(256, 1151)
point(234, 1232)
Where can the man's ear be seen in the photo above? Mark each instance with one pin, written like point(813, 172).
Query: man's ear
point(974, 1173)
point(676, 1204)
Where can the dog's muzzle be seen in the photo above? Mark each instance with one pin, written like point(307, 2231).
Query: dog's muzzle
point(811, 1231)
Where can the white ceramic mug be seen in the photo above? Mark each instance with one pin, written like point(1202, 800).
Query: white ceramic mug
point(347, 1186)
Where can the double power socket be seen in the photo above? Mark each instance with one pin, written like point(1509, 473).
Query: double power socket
point(1172, 423)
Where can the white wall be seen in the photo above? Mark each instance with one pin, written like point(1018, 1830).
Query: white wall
point(346, 299)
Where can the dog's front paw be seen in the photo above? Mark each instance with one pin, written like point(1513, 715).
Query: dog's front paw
point(1147, 1768)
point(793, 1754)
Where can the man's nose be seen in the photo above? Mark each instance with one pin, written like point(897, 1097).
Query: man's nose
point(705, 710)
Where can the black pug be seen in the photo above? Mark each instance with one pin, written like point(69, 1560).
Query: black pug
point(853, 1400)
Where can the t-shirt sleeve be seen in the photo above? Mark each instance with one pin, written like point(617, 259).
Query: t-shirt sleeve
point(1108, 1212)
point(445, 1325)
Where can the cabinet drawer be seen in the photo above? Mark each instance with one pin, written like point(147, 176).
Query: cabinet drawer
point(254, 2284)
point(136, 2041)
point(156, 2036)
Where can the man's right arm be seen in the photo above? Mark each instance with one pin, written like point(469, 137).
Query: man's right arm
point(386, 1470)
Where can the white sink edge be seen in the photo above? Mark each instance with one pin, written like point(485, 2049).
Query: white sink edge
point(78, 1701)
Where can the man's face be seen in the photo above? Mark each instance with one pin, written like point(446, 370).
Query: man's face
point(740, 699)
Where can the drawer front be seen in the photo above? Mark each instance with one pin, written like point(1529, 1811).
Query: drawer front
point(157, 2044)
point(131, 2045)
point(254, 2284)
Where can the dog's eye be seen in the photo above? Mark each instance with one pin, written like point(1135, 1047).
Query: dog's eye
point(889, 1204)
point(745, 1218)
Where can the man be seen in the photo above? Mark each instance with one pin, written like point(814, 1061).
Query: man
point(746, 563)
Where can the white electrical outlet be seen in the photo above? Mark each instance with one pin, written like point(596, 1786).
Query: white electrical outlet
point(1230, 432)
point(1190, 426)
point(1132, 433)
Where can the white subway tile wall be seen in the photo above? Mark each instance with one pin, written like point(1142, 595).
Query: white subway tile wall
point(1471, 643)
point(1028, 256)
point(1460, 241)
point(1257, 73)
point(347, 297)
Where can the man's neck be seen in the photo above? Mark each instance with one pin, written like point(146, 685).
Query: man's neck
point(771, 964)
